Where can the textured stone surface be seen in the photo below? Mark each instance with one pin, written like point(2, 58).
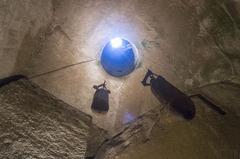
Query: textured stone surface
point(97, 137)
point(22, 22)
point(208, 135)
point(80, 93)
point(34, 124)
point(137, 132)
point(189, 42)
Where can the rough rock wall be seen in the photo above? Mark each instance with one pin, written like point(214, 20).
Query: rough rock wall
point(136, 132)
point(189, 42)
point(219, 22)
point(208, 135)
point(21, 23)
point(34, 124)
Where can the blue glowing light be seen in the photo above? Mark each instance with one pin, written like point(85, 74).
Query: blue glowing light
point(118, 58)
point(128, 117)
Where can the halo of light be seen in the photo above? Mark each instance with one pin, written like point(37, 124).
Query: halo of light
point(116, 42)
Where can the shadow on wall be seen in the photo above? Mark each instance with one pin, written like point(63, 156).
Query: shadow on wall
point(7, 80)
point(27, 48)
point(233, 7)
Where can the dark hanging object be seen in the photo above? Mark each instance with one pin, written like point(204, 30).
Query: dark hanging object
point(101, 98)
point(211, 104)
point(164, 90)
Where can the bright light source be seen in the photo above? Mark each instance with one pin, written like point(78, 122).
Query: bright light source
point(119, 57)
point(116, 42)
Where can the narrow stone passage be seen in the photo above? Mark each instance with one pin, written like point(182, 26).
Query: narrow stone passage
point(155, 79)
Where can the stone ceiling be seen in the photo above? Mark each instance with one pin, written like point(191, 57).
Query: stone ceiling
point(57, 44)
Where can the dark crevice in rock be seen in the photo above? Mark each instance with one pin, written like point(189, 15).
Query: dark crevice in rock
point(10, 79)
point(97, 136)
point(136, 132)
point(234, 81)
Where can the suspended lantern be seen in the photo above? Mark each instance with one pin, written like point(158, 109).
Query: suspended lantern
point(100, 101)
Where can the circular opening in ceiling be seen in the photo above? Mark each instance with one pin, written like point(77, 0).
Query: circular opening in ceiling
point(119, 57)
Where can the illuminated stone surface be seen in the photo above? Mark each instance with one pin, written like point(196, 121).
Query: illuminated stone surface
point(34, 124)
point(57, 43)
point(184, 41)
